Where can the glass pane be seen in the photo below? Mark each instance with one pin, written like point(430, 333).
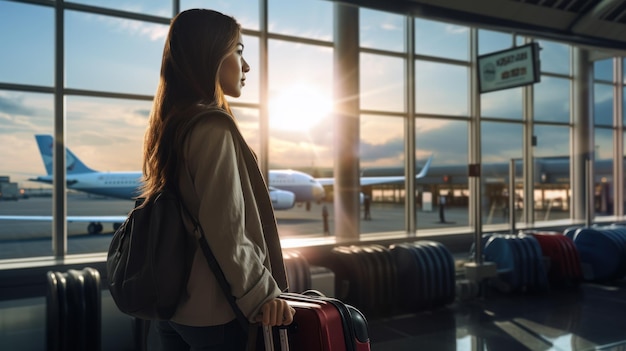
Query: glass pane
point(382, 82)
point(300, 136)
point(603, 69)
point(382, 154)
point(555, 57)
point(381, 30)
point(552, 173)
point(312, 19)
point(490, 41)
point(112, 54)
point(429, 35)
point(552, 100)
point(300, 98)
point(603, 104)
point(603, 171)
point(441, 88)
point(99, 131)
point(447, 142)
point(245, 12)
point(506, 104)
point(22, 116)
point(501, 142)
point(248, 122)
point(149, 7)
point(27, 37)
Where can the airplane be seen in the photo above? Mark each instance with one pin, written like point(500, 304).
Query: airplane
point(378, 180)
point(292, 186)
point(286, 187)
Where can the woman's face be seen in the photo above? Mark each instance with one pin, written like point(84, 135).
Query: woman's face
point(232, 72)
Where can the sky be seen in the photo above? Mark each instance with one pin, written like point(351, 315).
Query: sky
point(103, 53)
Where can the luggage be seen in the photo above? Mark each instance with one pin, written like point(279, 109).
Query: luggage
point(602, 252)
point(425, 274)
point(519, 261)
point(365, 277)
point(563, 261)
point(298, 271)
point(73, 310)
point(320, 324)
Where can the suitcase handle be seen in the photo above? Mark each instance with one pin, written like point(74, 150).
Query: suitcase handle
point(268, 338)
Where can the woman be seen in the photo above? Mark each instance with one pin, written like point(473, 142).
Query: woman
point(193, 144)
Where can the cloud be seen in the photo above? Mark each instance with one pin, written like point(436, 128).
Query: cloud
point(25, 112)
point(391, 152)
point(453, 29)
point(15, 106)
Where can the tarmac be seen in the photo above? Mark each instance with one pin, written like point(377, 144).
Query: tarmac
point(25, 239)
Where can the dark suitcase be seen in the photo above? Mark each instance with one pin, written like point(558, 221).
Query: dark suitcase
point(538, 274)
point(364, 278)
point(497, 248)
point(426, 275)
point(320, 324)
point(73, 310)
point(600, 254)
point(298, 271)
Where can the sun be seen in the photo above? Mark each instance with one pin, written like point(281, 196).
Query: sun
point(299, 107)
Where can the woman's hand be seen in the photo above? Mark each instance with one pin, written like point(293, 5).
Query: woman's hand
point(276, 312)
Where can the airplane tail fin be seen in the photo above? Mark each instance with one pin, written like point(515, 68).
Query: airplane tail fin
point(74, 164)
point(424, 169)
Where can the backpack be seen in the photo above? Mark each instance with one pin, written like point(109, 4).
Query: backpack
point(149, 259)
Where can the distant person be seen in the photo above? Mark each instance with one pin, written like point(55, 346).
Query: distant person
point(442, 206)
point(193, 145)
point(367, 203)
point(325, 220)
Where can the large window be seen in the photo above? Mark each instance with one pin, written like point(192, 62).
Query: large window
point(112, 53)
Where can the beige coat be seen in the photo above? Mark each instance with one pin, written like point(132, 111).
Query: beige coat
point(223, 186)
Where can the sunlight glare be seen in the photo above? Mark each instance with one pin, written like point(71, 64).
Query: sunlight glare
point(299, 107)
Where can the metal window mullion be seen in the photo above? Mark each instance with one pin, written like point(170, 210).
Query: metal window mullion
point(475, 213)
point(618, 137)
point(175, 7)
point(59, 199)
point(527, 153)
point(264, 119)
point(410, 144)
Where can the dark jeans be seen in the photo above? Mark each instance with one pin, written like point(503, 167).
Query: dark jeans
point(174, 337)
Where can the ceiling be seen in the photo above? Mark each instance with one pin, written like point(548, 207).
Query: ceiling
point(593, 23)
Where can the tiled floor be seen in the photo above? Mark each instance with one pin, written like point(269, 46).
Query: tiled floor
point(590, 317)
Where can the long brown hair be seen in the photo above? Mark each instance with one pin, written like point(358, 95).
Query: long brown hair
point(197, 43)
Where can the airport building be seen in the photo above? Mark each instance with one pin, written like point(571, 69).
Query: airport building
point(508, 115)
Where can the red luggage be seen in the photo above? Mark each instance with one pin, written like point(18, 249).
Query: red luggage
point(565, 268)
point(320, 324)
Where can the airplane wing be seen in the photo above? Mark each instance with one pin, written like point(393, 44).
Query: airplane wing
point(94, 226)
point(384, 179)
point(70, 219)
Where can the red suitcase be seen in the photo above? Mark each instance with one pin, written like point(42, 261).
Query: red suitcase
point(320, 324)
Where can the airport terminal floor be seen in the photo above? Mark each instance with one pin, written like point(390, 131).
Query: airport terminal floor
point(589, 317)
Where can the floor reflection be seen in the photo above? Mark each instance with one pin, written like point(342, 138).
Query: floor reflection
point(590, 317)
